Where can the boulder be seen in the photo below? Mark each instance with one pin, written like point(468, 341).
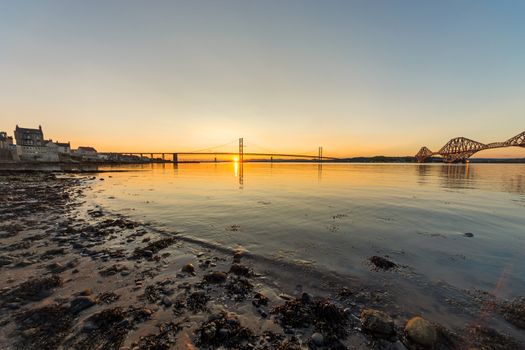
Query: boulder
point(377, 322)
point(421, 332)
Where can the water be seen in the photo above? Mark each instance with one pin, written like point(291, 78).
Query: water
point(334, 216)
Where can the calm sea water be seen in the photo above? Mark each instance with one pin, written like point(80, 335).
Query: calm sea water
point(334, 216)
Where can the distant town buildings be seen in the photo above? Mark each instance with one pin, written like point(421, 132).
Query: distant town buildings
point(5, 141)
point(86, 153)
point(7, 148)
point(29, 137)
point(32, 146)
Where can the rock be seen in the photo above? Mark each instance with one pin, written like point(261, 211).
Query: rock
point(237, 256)
point(240, 270)
point(167, 301)
point(377, 322)
point(223, 333)
point(318, 339)
point(147, 253)
point(469, 234)
point(5, 260)
point(24, 263)
point(13, 306)
point(81, 303)
point(208, 333)
point(28, 333)
point(188, 268)
point(421, 332)
point(382, 263)
point(260, 299)
point(286, 297)
point(306, 298)
point(89, 327)
point(345, 292)
point(87, 291)
point(216, 277)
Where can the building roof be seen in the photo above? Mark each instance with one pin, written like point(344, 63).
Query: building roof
point(39, 130)
point(86, 149)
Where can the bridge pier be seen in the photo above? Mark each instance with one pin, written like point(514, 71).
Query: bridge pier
point(175, 157)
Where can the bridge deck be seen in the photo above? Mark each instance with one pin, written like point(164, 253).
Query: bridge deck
point(227, 154)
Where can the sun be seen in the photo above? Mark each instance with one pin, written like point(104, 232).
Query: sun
point(235, 159)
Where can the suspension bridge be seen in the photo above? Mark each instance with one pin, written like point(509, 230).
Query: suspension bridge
point(460, 149)
point(214, 152)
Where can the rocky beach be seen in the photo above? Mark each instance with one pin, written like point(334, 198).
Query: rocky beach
point(79, 276)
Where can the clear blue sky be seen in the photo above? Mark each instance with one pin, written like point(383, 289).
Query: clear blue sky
point(358, 77)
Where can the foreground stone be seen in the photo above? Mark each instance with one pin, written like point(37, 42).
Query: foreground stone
point(377, 322)
point(421, 332)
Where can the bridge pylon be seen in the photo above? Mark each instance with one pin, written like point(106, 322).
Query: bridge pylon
point(241, 150)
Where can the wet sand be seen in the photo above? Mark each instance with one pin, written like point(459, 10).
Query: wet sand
point(78, 276)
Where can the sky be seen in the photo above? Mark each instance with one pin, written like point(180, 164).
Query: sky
point(360, 78)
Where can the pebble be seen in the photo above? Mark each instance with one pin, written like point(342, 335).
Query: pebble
point(188, 268)
point(87, 291)
point(30, 332)
point(306, 298)
point(13, 306)
point(88, 326)
point(318, 339)
point(286, 296)
point(167, 301)
point(223, 333)
point(469, 234)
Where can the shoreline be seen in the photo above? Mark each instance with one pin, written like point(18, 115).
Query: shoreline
point(92, 166)
point(78, 275)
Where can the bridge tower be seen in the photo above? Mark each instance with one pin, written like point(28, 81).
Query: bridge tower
point(241, 150)
point(320, 156)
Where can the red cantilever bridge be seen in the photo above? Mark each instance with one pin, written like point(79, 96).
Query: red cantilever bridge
point(459, 149)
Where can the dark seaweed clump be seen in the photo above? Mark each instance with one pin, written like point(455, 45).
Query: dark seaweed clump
point(326, 317)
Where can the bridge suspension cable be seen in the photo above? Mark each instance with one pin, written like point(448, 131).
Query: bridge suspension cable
point(213, 147)
point(267, 150)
